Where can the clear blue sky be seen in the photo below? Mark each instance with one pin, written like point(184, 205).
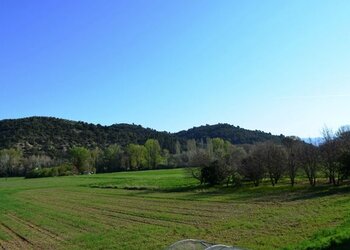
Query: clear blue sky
point(278, 66)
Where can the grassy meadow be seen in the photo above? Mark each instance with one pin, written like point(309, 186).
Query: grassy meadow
point(153, 209)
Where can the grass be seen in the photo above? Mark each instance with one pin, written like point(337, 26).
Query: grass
point(153, 209)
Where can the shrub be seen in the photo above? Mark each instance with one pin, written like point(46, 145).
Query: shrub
point(61, 170)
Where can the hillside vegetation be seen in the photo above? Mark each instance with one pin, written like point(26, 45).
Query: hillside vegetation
point(53, 136)
point(233, 134)
point(211, 160)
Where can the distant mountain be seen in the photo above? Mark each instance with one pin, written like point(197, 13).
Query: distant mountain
point(235, 135)
point(54, 136)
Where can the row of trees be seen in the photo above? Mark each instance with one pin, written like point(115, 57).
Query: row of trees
point(82, 160)
point(213, 161)
point(116, 158)
point(12, 162)
point(221, 162)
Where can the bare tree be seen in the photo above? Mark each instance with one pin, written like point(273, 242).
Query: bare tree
point(191, 145)
point(177, 148)
point(10, 161)
point(330, 154)
point(309, 157)
point(273, 157)
point(291, 144)
point(37, 161)
point(252, 166)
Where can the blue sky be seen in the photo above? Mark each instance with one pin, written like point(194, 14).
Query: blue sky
point(277, 66)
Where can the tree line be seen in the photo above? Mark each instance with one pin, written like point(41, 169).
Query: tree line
point(212, 161)
point(81, 160)
point(221, 162)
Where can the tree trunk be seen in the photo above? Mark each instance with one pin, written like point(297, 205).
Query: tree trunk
point(228, 181)
point(292, 180)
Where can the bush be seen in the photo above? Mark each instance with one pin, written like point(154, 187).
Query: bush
point(62, 170)
point(213, 174)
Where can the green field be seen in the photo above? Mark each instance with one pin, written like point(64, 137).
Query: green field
point(153, 209)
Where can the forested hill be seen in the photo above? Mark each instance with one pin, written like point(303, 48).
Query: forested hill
point(235, 135)
point(54, 136)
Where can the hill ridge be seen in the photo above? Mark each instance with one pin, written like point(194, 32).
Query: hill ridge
point(54, 136)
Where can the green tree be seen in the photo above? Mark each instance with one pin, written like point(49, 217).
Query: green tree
point(209, 147)
point(81, 159)
point(96, 157)
point(198, 161)
point(153, 155)
point(219, 148)
point(137, 155)
point(343, 138)
point(112, 158)
point(214, 173)
point(165, 157)
point(233, 161)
